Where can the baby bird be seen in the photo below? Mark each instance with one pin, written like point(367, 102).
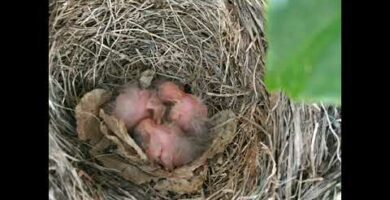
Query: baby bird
point(167, 144)
point(134, 104)
point(187, 110)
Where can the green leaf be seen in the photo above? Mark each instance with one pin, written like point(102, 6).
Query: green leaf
point(304, 49)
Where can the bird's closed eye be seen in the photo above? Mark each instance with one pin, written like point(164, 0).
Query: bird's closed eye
point(187, 88)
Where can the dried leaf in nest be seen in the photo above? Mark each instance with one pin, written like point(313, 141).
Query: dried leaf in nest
point(122, 149)
point(146, 78)
point(99, 147)
point(87, 115)
point(251, 172)
point(127, 171)
point(224, 126)
point(118, 128)
point(181, 185)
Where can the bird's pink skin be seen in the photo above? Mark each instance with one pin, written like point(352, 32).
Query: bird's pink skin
point(165, 144)
point(135, 104)
point(187, 109)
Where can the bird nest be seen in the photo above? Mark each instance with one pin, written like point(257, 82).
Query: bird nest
point(273, 149)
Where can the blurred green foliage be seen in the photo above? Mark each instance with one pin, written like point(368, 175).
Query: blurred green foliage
point(304, 49)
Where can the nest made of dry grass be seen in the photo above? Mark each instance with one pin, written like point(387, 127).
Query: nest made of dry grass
point(282, 150)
